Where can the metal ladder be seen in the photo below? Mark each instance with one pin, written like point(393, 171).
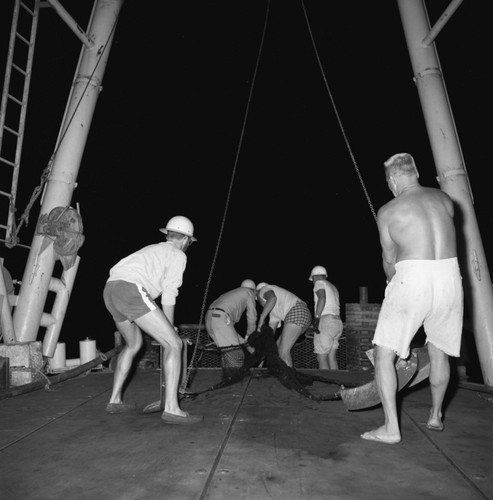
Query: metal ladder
point(13, 109)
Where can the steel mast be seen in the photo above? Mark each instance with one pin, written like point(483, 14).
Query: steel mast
point(70, 148)
point(452, 175)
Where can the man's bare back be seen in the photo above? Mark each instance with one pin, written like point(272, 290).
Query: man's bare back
point(417, 224)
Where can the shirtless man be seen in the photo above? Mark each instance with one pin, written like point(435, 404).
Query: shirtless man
point(419, 253)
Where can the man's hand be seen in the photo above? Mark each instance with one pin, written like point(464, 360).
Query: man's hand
point(312, 329)
point(315, 325)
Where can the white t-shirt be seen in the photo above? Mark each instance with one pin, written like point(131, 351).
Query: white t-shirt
point(331, 297)
point(158, 268)
point(285, 301)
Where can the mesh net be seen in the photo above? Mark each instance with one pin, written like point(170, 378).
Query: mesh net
point(232, 357)
point(233, 362)
point(302, 352)
point(265, 350)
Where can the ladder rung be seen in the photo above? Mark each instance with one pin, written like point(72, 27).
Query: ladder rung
point(15, 132)
point(19, 69)
point(22, 39)
point(13, 98)
point(25, 7)
point(8, 162)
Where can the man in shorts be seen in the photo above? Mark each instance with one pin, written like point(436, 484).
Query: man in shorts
point(327, 318)
point(283, 306)
point(130, 292)
point(424, 288)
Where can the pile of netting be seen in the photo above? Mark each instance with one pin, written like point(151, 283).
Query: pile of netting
point(237, 363)
point(63, 226)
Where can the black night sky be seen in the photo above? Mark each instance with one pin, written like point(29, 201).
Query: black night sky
point(182, 110)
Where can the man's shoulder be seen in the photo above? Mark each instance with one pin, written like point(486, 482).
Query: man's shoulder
point(171, 254)
point(441, 194)
point(387, 207)
point(235, 292)
point(169, 247)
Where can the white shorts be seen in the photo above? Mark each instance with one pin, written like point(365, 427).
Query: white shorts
point(331, 328)
point(424, 293)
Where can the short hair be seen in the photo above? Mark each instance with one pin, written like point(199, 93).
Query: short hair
point(400, 164)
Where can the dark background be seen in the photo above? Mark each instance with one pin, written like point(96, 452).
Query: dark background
point(257, 159)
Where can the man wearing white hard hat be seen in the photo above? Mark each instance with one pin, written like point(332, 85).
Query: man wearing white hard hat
point(327, 318)
point(134, 283)
point(222, 316)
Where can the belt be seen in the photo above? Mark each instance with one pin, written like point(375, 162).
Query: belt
point(217, 309)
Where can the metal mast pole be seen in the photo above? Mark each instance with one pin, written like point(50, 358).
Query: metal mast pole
point(452, 175)
point(70, 148)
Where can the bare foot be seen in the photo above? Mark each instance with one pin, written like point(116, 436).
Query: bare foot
point(381, 435)
point(434, 424)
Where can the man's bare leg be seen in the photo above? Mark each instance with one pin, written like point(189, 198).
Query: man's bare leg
point(333, 359)
point(286, 341)
point(133, 342)
point(159, 328)
point(439, 379)
point(172, 374)
point(386, 380)
point(323, 361)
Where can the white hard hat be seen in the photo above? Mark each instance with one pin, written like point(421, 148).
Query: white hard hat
point(261, 285)
point(317, 270)
point(179, 224)
point(248, 283)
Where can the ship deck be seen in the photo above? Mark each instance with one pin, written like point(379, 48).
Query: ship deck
point(258, 440)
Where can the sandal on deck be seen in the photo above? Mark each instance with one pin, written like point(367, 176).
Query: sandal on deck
point(120, 407)
point(171, 418)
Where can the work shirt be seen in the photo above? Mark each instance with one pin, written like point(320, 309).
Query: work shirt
point(285, 301)
point(235, 302)
point(158, 268)
point(331, 297)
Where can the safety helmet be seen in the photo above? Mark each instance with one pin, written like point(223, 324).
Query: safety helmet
point(317, 270)
point(261, 285)
point(179, 224)
point(248, 284)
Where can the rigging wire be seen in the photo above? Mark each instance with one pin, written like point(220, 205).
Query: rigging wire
point(228, 197)
point(339, 121)
point(360, 177)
